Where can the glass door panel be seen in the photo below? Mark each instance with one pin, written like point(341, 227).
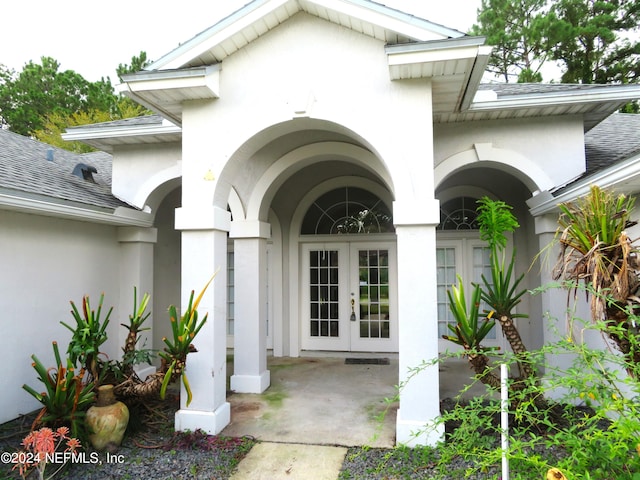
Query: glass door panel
point(374, 317)
point(324, 295)
point(348, 297)
point(469, 258)
point(374, 325)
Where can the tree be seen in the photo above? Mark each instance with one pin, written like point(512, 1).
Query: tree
point(43, 102)
point(137, 63)
point(590, 37)
point(592, 40)
point(517, 29)
point(26, 98)
point(501, 292)
point(596, 250)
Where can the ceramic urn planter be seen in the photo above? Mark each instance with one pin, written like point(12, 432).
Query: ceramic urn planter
point(107, 420)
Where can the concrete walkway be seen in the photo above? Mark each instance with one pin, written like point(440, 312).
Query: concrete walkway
point(318, 406)
point(286, 461)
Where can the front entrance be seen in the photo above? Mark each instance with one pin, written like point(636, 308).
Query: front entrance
point(349, 297)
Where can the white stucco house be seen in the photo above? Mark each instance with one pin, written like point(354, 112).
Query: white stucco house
point(325, 157)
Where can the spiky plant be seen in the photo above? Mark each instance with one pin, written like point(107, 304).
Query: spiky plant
point(88, 334)
point(469, 331)
point(596, 250)
point(502, 291)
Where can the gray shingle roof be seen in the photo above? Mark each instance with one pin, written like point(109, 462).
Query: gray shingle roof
point(24, 168)
point(614, 139)
point(125, 122)
point(514, 89)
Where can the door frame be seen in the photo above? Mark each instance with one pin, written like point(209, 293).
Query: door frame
point(348, 340)
point(464, 242)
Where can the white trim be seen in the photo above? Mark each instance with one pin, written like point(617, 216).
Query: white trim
point(301, 157)
point(614, 176)
point(108, 130)
point(120, 216)
point(613, 93)
point(295, 239)
point(149, 186)
point(248, 16)
point(527, 171)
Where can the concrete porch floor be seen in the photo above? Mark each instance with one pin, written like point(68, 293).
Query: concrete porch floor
point(321, 400)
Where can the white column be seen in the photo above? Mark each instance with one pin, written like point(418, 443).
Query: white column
point(250, 374)
point(204, 251)
point(136, 270)
point(554, 300)
point(418, 324)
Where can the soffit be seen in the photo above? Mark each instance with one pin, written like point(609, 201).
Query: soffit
point(593, 102)
point(147, 129)
point(261, 16)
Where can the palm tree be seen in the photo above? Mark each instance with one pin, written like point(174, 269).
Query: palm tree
point(500, 292)
point(596, 250)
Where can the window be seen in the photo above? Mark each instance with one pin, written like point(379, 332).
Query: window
point(459, 214)
point(460, 251)
point(347, 210)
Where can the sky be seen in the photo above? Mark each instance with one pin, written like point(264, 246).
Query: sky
point(94, 41)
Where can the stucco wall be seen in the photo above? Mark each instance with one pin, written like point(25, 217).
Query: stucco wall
point(46, 263)
point(308, 70)
point(554, 144)
point(139, 169)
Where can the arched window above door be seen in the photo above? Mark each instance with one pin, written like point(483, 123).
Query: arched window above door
point(347, 210)
point(459, 214)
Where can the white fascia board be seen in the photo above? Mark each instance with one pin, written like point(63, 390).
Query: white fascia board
point(612, 93)
point(207, 77)
point(431, 56)
point(389, 19)
point(95, 133)
point(475, 76)
point(218, 33)
point(610, 177)
point(50, 208)
point(435, 51)
point(366, 11)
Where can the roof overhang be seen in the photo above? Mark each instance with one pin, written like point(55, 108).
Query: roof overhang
point(50, 207)
point(261, 16)
point(622, 177)
point(594, 105)
point(455, 66)
point(165, 91)
point(105, 136)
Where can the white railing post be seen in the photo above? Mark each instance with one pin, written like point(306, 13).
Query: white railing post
point(504, 419)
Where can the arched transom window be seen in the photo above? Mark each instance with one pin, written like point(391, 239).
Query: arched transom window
point(459, 214)
point(347, 210)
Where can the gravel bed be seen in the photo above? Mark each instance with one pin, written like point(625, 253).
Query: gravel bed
point(152, 451)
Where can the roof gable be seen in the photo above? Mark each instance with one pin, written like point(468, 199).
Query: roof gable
point(260, 16)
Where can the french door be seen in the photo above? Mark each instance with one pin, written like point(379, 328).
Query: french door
point(348, 295)
point(468, 257)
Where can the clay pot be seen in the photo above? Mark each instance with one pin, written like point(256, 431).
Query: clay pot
point(107, 420)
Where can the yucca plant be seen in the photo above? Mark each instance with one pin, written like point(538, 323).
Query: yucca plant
point(596, 250)
point(131, 355)
point(501, 291)
point(469, 331)
point(67, 395)
point(184, 329)
point(89, 333)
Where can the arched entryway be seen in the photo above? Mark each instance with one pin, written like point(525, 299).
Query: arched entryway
point(347, 275)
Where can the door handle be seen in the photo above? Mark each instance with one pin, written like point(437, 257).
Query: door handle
point(353, 312)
